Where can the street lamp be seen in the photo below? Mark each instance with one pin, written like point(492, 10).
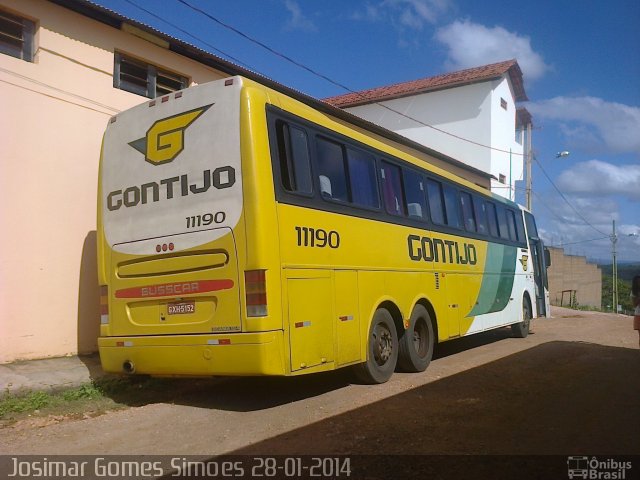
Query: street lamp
point(528, 158)
point(614, 266)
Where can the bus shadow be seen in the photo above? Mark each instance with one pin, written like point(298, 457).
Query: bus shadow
point(557, 398)
point(239, 393)
point(458, 345)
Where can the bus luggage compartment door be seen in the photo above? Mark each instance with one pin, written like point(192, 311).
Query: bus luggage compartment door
point(310, 318)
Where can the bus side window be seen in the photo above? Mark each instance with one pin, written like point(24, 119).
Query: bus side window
point(502, 222)
point(452, 207)
point(467, 212)
point(414, 191)
point(511, 223)
point(520, 227)
point(362, 178)
point(331, 170)
point(493, 219)
point(480, 208)
point(392, 189)
point(293, 150)
point(436, 205)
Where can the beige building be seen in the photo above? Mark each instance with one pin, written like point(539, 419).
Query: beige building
point(573, 281)
point(62, 76)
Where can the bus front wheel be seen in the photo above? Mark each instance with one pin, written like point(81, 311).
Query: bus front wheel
point(416, 345)
point(521, 330)
point(382, 350)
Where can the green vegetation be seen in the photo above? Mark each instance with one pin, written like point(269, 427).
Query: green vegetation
point(624, 288)
point(96, 398)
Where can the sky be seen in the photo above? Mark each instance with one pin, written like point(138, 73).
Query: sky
point(580, 60)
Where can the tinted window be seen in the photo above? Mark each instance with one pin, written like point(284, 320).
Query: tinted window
point(520, 227)
point(511, 224)
point(392, 189)
point(362, 177)
point(532, 231)
point(414, 191)
point(502, 222)
point(293, 150)
point(436, 205)
point(492, 219)
point(481, 216)
point(331, 171)
point(467, 212)
point(452, 207)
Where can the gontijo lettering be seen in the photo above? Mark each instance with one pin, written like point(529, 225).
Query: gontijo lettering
point(222, 177)
point(444, 251)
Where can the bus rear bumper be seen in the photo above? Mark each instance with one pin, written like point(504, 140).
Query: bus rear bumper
point(197, 355)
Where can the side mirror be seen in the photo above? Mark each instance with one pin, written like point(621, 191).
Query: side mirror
point(547, 257)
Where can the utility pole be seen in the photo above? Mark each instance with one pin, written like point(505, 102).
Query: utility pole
point(528, 159)
point(614, 268)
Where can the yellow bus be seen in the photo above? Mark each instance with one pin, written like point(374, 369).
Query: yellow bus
point(243, 232)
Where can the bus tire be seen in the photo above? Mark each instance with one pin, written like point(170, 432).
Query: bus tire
point(521, 330)
point(416, 345)
point(382, 350)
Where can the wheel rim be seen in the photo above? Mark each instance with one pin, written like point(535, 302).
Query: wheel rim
point(382, 344)
point(420, 338)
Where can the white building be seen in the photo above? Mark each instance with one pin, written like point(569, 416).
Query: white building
point(469, 115)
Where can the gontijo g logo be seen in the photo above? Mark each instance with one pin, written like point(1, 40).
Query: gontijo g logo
point(165, 138)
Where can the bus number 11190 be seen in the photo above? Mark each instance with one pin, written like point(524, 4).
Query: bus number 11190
point(317, 237)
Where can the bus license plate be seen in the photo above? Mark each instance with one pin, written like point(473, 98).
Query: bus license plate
point(181, 308)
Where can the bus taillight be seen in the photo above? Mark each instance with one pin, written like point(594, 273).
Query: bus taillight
point(256, 287)
point(104, 304)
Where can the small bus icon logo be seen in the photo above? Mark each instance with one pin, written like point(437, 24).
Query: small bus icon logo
point(578, 467)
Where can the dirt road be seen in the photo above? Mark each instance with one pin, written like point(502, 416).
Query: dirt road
point(572, 387)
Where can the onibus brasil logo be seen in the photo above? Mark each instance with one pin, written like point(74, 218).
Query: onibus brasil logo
point(596, 469)
point(165, 138)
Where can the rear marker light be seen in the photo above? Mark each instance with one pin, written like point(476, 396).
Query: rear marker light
point(164, 99)
point(158, 248)
point(104, 305)
point(152, 103)
point(171, 247)
point(221, 341)
point(228, 82)
point(256, 296)
point(178, 95)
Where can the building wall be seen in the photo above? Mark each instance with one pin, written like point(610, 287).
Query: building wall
point(54, 112)
point(571, 272)
point(503, 134)
point(471, 111)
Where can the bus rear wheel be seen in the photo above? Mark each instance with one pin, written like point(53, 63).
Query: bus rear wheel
point(521, 330)
point(416, 345)
point(382, 350)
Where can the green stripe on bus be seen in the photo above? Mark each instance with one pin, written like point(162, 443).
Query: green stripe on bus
point(497, 282)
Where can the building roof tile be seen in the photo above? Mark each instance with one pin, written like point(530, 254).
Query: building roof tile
point(439, 82)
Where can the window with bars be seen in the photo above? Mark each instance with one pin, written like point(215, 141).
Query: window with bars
point(145, 79)
point(17, 36)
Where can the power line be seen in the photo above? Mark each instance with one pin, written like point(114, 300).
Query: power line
point(225, 54)
point(565, 198)
point(584, 241)
point(334, 82)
